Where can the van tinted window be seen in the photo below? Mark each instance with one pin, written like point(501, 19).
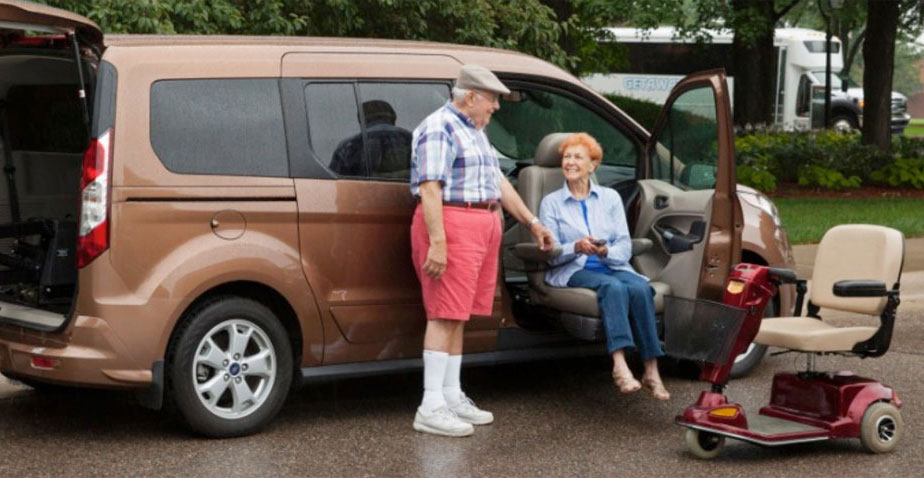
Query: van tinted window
point(371, 138)
point(524, 119)
point(392, 111)
point(229, 127)
point(333, 127)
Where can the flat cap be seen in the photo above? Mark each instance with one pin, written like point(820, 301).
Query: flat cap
point(477, 77)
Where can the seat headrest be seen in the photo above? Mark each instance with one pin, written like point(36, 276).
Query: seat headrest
point(547, 154)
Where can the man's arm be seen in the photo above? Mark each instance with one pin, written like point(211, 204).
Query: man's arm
point(513, 203)
point(431, 201)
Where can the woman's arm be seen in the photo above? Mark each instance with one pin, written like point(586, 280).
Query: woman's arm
point(619, 250)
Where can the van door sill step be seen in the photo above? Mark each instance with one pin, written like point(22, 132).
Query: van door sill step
point(30, 317)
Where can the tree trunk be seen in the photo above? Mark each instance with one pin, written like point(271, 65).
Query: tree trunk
point(754, 67)
point(879, 60)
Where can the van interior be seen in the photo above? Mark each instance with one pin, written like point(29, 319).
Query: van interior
point(43, 136)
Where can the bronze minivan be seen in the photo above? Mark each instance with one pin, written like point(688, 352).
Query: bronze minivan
point(208, 219)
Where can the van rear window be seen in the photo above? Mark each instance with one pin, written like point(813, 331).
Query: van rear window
point(228, 127)
point(45, 118)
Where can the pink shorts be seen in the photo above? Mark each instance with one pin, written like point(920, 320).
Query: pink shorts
point(473, 238)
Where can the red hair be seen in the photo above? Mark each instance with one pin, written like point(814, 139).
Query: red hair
point(585, 140)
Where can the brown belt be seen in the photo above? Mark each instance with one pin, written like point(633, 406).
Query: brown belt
point(489, 205)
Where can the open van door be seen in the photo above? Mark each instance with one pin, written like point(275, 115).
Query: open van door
point(29, 16)
point(688, 206)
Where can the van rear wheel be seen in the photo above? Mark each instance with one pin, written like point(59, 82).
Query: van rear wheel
point(230, 368)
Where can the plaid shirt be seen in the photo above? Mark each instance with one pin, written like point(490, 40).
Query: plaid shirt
point(448, 148)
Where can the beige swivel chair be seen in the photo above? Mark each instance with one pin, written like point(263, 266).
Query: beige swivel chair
point(857, 269)
point(580, 314)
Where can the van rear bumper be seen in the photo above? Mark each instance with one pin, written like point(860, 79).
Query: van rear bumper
point(87, 354)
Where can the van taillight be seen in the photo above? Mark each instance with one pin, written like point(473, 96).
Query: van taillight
point(93, 236)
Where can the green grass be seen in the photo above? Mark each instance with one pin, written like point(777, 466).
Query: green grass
point(915, 128)
point(807, 219)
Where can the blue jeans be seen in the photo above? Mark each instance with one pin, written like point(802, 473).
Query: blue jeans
point(622, 295)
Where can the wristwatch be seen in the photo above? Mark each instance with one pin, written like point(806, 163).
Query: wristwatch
point(534, 220)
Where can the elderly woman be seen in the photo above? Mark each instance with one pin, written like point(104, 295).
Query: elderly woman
point(589, 223)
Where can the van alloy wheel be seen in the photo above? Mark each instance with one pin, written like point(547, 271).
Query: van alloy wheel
point(234, 368)
point(229, 367)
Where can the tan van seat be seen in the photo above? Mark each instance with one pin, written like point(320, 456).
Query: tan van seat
point(853, 251)
point(534, 183)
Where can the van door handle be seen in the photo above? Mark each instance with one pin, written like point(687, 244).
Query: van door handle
point(661, 202)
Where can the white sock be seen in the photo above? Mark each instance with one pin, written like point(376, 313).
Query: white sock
point(452, 385)
point(434, 371)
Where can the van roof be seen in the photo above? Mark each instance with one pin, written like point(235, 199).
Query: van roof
point(492, 58)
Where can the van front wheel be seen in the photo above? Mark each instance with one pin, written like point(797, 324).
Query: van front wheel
point(230, 367)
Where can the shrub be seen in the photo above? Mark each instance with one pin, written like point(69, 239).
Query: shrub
point(645, 112)
point(814, 175)
point(757, 178)
point(903, 172)
point(907, 147)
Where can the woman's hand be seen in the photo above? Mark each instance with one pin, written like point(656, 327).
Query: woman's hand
point(586, 246)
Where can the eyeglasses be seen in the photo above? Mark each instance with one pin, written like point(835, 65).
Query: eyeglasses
point(493, 98)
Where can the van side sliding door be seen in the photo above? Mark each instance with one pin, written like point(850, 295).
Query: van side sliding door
point(350, 117)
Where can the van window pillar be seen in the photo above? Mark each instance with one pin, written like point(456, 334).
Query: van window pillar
point(81, 86)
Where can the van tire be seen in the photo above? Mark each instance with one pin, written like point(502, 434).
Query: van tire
point(188, 367)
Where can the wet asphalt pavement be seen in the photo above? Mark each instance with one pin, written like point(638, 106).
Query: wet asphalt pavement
point(552, 419)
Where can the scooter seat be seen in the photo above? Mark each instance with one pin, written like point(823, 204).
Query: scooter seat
point(807, 334)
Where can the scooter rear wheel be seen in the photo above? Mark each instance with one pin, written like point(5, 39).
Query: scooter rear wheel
point(704, 445)
point(881, 428)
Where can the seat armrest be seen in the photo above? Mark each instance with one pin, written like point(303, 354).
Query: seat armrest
point(529, 251)
point(641, 245)
point(860, 288)
point(783, 276)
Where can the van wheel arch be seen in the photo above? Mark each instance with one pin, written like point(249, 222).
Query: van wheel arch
point(255, 291)
point(844, 119)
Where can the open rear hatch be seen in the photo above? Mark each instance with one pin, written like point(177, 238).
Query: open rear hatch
point(48, 59)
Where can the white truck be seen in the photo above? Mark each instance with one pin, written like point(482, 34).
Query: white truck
point(659, 58)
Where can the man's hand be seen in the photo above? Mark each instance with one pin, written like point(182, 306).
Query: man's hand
point(542, 236)
point(435, 265)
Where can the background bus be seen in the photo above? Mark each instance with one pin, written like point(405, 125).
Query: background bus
point(657, 59)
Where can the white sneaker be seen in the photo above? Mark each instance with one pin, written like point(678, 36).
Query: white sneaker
point(469, 413)
point(442, 422)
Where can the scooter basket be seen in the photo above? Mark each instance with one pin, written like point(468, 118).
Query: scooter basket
point(700, 330)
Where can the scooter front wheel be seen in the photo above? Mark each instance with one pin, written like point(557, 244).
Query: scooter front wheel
point(703, 444)
point(881, 428)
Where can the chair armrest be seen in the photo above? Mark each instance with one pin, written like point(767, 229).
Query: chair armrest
point(641, 246)
point(529, 251)
point(782, 275)
point(860, 288)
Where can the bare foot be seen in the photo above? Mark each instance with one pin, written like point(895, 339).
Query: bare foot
point(626, 383)
point(656, 389)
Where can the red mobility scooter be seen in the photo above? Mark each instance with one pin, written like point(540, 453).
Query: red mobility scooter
point(853, 266)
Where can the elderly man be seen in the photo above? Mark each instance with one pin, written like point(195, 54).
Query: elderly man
point(455, 239)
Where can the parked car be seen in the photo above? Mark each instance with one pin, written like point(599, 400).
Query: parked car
point(199, 228)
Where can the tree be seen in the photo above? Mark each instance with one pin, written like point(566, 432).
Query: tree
point(754, 67)
point(523, 25)
point(878, 59)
